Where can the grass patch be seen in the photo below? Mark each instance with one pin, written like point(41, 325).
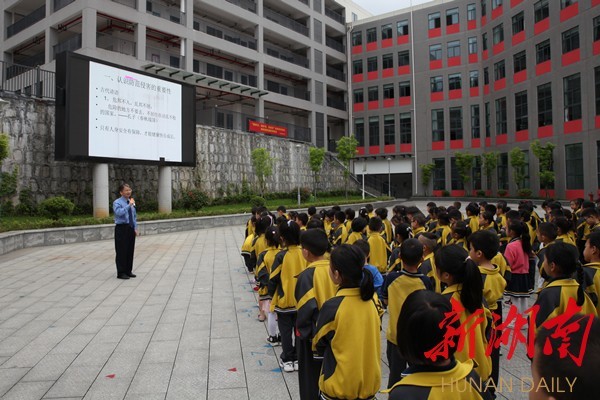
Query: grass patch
point(16, 223)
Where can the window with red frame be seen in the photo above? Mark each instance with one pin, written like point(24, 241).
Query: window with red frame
point(387, 61)
point(435, 52)
point(371, 64)
point(499, 70)
point(521, 115)
point(357, 67)
point(454, 49)
point(572, 97)
point(402, 27)
point(544, 103)
point(456, 123)
point(541, 11)
point(542, 51)
point(437, 84)
point(388, 91)
point(386, 31)
point(483, 8)
point(471, 12)
point(596, 29)
point(475, 122)
point(405, 128)
point(518, 23)
point(570, 40)
point(474, 79)
point(359, 131)
point(373, 93)
point(498, 34)
point(435, 20)
point(357, 38)
point(389, 129)
point(452, 17)
point(566, 3)
point(501, 116)
point(520, 61)
point(404, 89)
point(371, 35)
point(359, 96)
point(472, 45)
point(437, 125)
point(403, 58)
point(496, 4)
point(374, 131)
point(454, 82)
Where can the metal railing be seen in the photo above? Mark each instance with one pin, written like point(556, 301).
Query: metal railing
point(128, 3)
point(303, 1)
point(58, 4)
point(335, 73)
point(286, 90)
point(245, 4)
point(25, 22)
point(339, 104)
point(224, 33)
point(285, 21)
point(161, 10)
point(334, 15)
point(116, 44)
point(162, 56)
point(285, 55)
point(334, 44)
point(71, 44)
point(32, 61)
point(21, 79)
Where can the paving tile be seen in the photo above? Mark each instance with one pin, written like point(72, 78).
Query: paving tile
point(51, 367)
point(151, 379)
point(9, 377)
point(228, 394)
point(28, 391)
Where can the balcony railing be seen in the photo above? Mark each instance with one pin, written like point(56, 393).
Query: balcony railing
point(285, 21)
point(334, 44)
point(292, 91)
point(335, 73)
point(116, 44)
point(162, 56)
point(245, 4)
point(58, 4)
point(336, 103)
point(170, 13)
point(71, 44)
point(334, 15)
point(286, 55)
point(26, 21)
point(303, 1)
point(128, 3)
point(25, 80)
point(224, 33)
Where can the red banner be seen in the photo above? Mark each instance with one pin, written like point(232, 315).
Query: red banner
point(268, 129)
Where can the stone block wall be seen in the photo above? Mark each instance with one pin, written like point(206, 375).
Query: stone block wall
point(223, 161)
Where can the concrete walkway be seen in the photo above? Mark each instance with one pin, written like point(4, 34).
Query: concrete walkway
point(185, 328)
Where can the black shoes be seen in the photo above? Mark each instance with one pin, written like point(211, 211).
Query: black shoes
point(131, 275)
point(122, 276)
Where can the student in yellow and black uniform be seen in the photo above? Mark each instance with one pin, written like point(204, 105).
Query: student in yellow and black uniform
point(246, 250)
point(443, 230)
point(350, 215)
point(250, 224)
point(487, 223)
point(388, 233)
point(473, 216)
point(348, 331)
point(288, 264)
point(582, 228)
point(338, 234)
point(398, 285)
point(302, 221)
point(282, 212)
point(465, 284)
point(259, 243)
point(417, 224)
point(370, 210)
point(445, 378)
point(560, 264)
point(592, 219)
point(460, 233)
point(313, 288)
point(431, 221)
point(428, 266)
point(263, 272)
point(564, 228)
point(484, 247)
point(591, 254)
point(380, 251)
point(546, 234)
point(402, 232)
point(502, 221)
point(359, 224)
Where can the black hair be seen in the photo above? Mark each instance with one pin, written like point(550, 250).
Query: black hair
point(281, 220)
point(430, 240)
point(462, 229)
point(262, 224)
point(433, 211)
point(512, 214)
point(281, 208)
point(349, 261)
point(289, 233)
point(525, 215)
point(303, 217)
point(375, 224)
point(293, 215)
point(489, 217)
point(472, 209)
point(381, 212)
point(454, 214)
point(340, 216)
point(330, 214)
point(315, 223)
point(566, 257)
point(411, 252)
point(548, 229)
point(431, 204)
point(418, 329)
point(403, 230)
point(485, 241)
point(554, 364)
point(563, 225)
point(578, 201)
point(522, 231)
point(369, 207)
point(443, 219)
point(419, 219)
point(589, 212)
point(363, 213)
point(594, 239)
point(457, 204)
point(312, 210)
point(123, 186)
point(588, 204)
point(557, 213)
point(359, 224)
point(364, 246)
point(350, 213)
point(555, 205)
point(315, 241)
point(272, 236)
point(336, 208)
point(453, 260)
point(502, 205)
point(412, 210)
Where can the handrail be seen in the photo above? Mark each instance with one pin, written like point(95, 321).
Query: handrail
point(25, 22)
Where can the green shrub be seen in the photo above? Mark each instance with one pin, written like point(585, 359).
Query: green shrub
point(85, 209)
point(502, 192)
point(305, 194)
point(193, 199)
point(258, 201)
point(56, 207)
point(525, 193)
point(445, 193)
point(26, 204)
point(7, 208)
point(480, 193)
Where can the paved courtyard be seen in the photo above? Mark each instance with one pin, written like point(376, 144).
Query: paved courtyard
point(185, 328)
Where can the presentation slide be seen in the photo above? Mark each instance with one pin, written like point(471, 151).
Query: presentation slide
point(133, 116)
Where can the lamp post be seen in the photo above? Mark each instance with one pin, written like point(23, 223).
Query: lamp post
point(364, 170)
point(389, 159)
point(298, 155)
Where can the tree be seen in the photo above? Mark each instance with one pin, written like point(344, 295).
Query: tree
point(426, 173)
point(464, 163)
point(490, 162)
point(263, 167)
point(517, 162)
point(316, 157)
point(346, 148)
point(545, 156)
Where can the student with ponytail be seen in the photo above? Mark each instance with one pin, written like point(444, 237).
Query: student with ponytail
point(348, 330)
point(519, 256)
point(561, 263)
point(465, 285)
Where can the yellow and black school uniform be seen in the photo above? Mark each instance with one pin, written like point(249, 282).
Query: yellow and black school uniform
point(553, 299)
point(591, 229)
point(327, 226)
point(348, 339)
point(503, 266)
point(259, 244)
point(460, 242)
point(394, 262)
point(445, 234)
point(432, 225)
point(503, 231)
point(457, 381)
point(249, 228)
point(592, 280)
point(313, 289)
point(288, 264)
point(418, 231)
point(428, 268)
point(338, 235)
point(263, 271)
point(474, 223)
point(532, 233)
point(484, 362)
point(354, 236)
point(246, 252)
point(566, 238)
point(380, 252)
point(348, 225)
point(388, 231)
point(398, 285)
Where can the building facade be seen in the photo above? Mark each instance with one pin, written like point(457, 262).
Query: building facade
point(479, 76)
point(277, 62)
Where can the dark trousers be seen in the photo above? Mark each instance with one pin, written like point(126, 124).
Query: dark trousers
point(396, 362)
point(287, 323)
point(124, 247)
point(495, 356)
point(309, 370)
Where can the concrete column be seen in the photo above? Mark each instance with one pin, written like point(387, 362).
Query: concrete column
point(89, 25)
point(49, 43)
point(164, 190)
point(100, 191)
point(140, 40)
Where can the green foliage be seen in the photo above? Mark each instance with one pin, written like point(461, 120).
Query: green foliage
point(56, 207)
point(26, 204)
point(8, 183)
point(525, 193)
point(426, 174)
point(517, 162)
point(305, 194)
point(445, 193)
point(263, 167)
point(257, 201)
point(480, 193)
point(464, 163)
point(502, 192)
point(346, 148)
point(545, 156)
point(193, 199)
point(316, 156)
point(490, 162)
point(3, 146)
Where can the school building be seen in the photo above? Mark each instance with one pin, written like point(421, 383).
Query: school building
point(479, 76)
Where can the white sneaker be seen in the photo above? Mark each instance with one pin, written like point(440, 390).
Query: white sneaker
point(287, 366)
point(295, 365)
